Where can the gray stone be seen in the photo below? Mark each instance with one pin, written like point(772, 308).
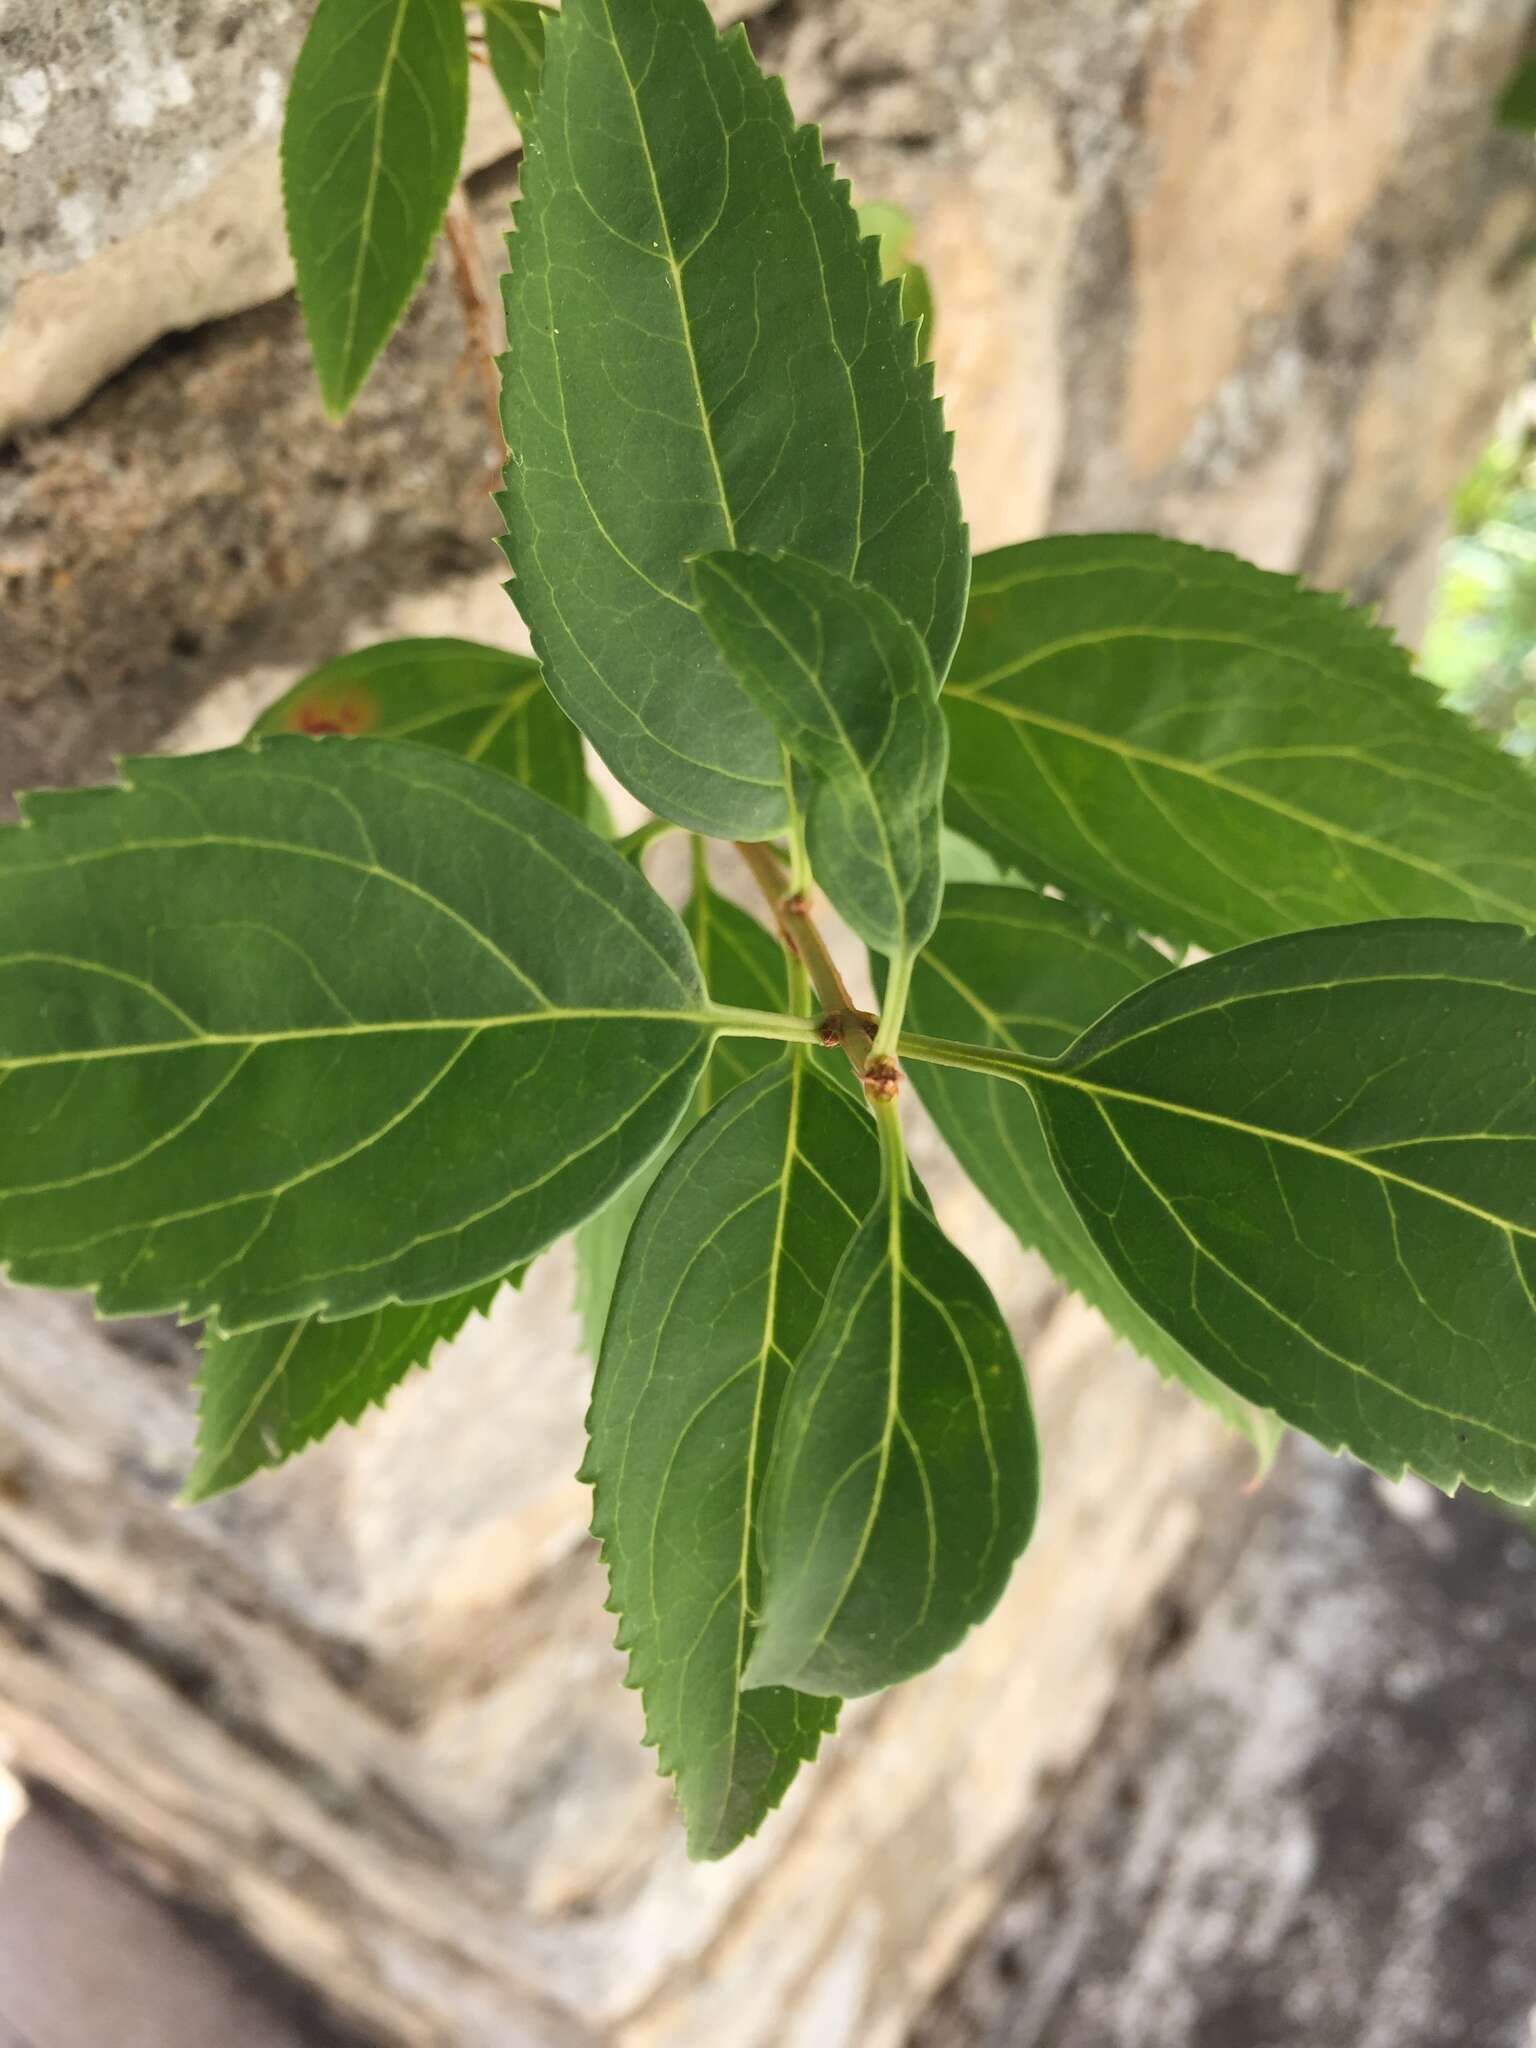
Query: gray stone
point(139, 179)
point(1314, 1822)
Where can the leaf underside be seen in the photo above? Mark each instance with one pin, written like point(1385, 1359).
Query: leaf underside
point(1008, 967)
point(475, 702)
point(320, 1026)
point(1313, 1160)
point(266, 1395)
point(373, 134)
point(514, 42)
point(726, 1269)
point(1217, 754)
point(905, 1472)
point(701, 355)
point(848, 688)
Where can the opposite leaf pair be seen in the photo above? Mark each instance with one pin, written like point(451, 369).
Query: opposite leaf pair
point(777, 1298)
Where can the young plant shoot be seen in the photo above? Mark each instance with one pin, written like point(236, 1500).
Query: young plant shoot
point(323, 1038)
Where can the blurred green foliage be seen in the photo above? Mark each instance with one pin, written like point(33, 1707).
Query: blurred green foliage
point(1517, 108)
point(893, 229)
point(1481, 643)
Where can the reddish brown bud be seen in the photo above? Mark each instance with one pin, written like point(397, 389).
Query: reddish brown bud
point(882, 1079)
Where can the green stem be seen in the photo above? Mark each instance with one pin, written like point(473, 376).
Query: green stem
point(898, 985)
point(799, 983)
point(634, 843)
point(730, 1022)
point(733, 1023)
point(973, 1059)
point(800, 881)
point(895, 1171)
point(798, 930)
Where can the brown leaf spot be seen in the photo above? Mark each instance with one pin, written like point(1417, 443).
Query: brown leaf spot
point(348, 712)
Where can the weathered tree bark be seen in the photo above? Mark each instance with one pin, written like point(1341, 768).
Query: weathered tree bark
point(1258, 276)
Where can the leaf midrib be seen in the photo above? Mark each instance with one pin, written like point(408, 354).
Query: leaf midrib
point(380, 97)
point(1028, 1070)
point(706, 424)
point(1307, 1336)
point(973, 693)
point(749, 1518)
point(272, 1195)
point(891, 1194)
point(703, 1019)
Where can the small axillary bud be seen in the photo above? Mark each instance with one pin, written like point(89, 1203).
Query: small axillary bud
point(882, 1079)
point(833, 1027)
point(798, 905)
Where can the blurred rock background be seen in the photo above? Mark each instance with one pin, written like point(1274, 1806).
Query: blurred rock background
point(1223, 1769)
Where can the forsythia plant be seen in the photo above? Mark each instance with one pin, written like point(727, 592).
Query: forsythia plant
point(324, 1038)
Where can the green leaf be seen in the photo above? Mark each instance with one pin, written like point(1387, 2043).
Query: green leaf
point(372, 138)
point(598, 815)
point(744, 967)
point(270, 1392)
point(965, 861)
point(514, 42)
point(847, 685)
point(701, 355)
point(1010, 968)
point(600, 1246)
point(730, 1261)
point(477, 703)
point(1219, 754)
point(1313, 1161)
point(267, 1394)
point(905, 1473)
point(1517, 105)
point(893, 230)
point(319, 1026)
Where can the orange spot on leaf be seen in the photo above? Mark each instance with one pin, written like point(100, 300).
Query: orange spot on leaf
point(347, 712)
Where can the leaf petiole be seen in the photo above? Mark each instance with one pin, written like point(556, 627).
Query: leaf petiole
point(897, 988)
point(799, 859)
point(896, 1170)
point(973, 1059)
point(803, 941)
point(632, 844)
point(729, 1022)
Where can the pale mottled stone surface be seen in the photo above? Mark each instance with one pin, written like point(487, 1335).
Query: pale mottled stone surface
point(139, 179)
point(1292, 352)
point(1314, 1824)
point(423, 1787)
point(86, 306)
